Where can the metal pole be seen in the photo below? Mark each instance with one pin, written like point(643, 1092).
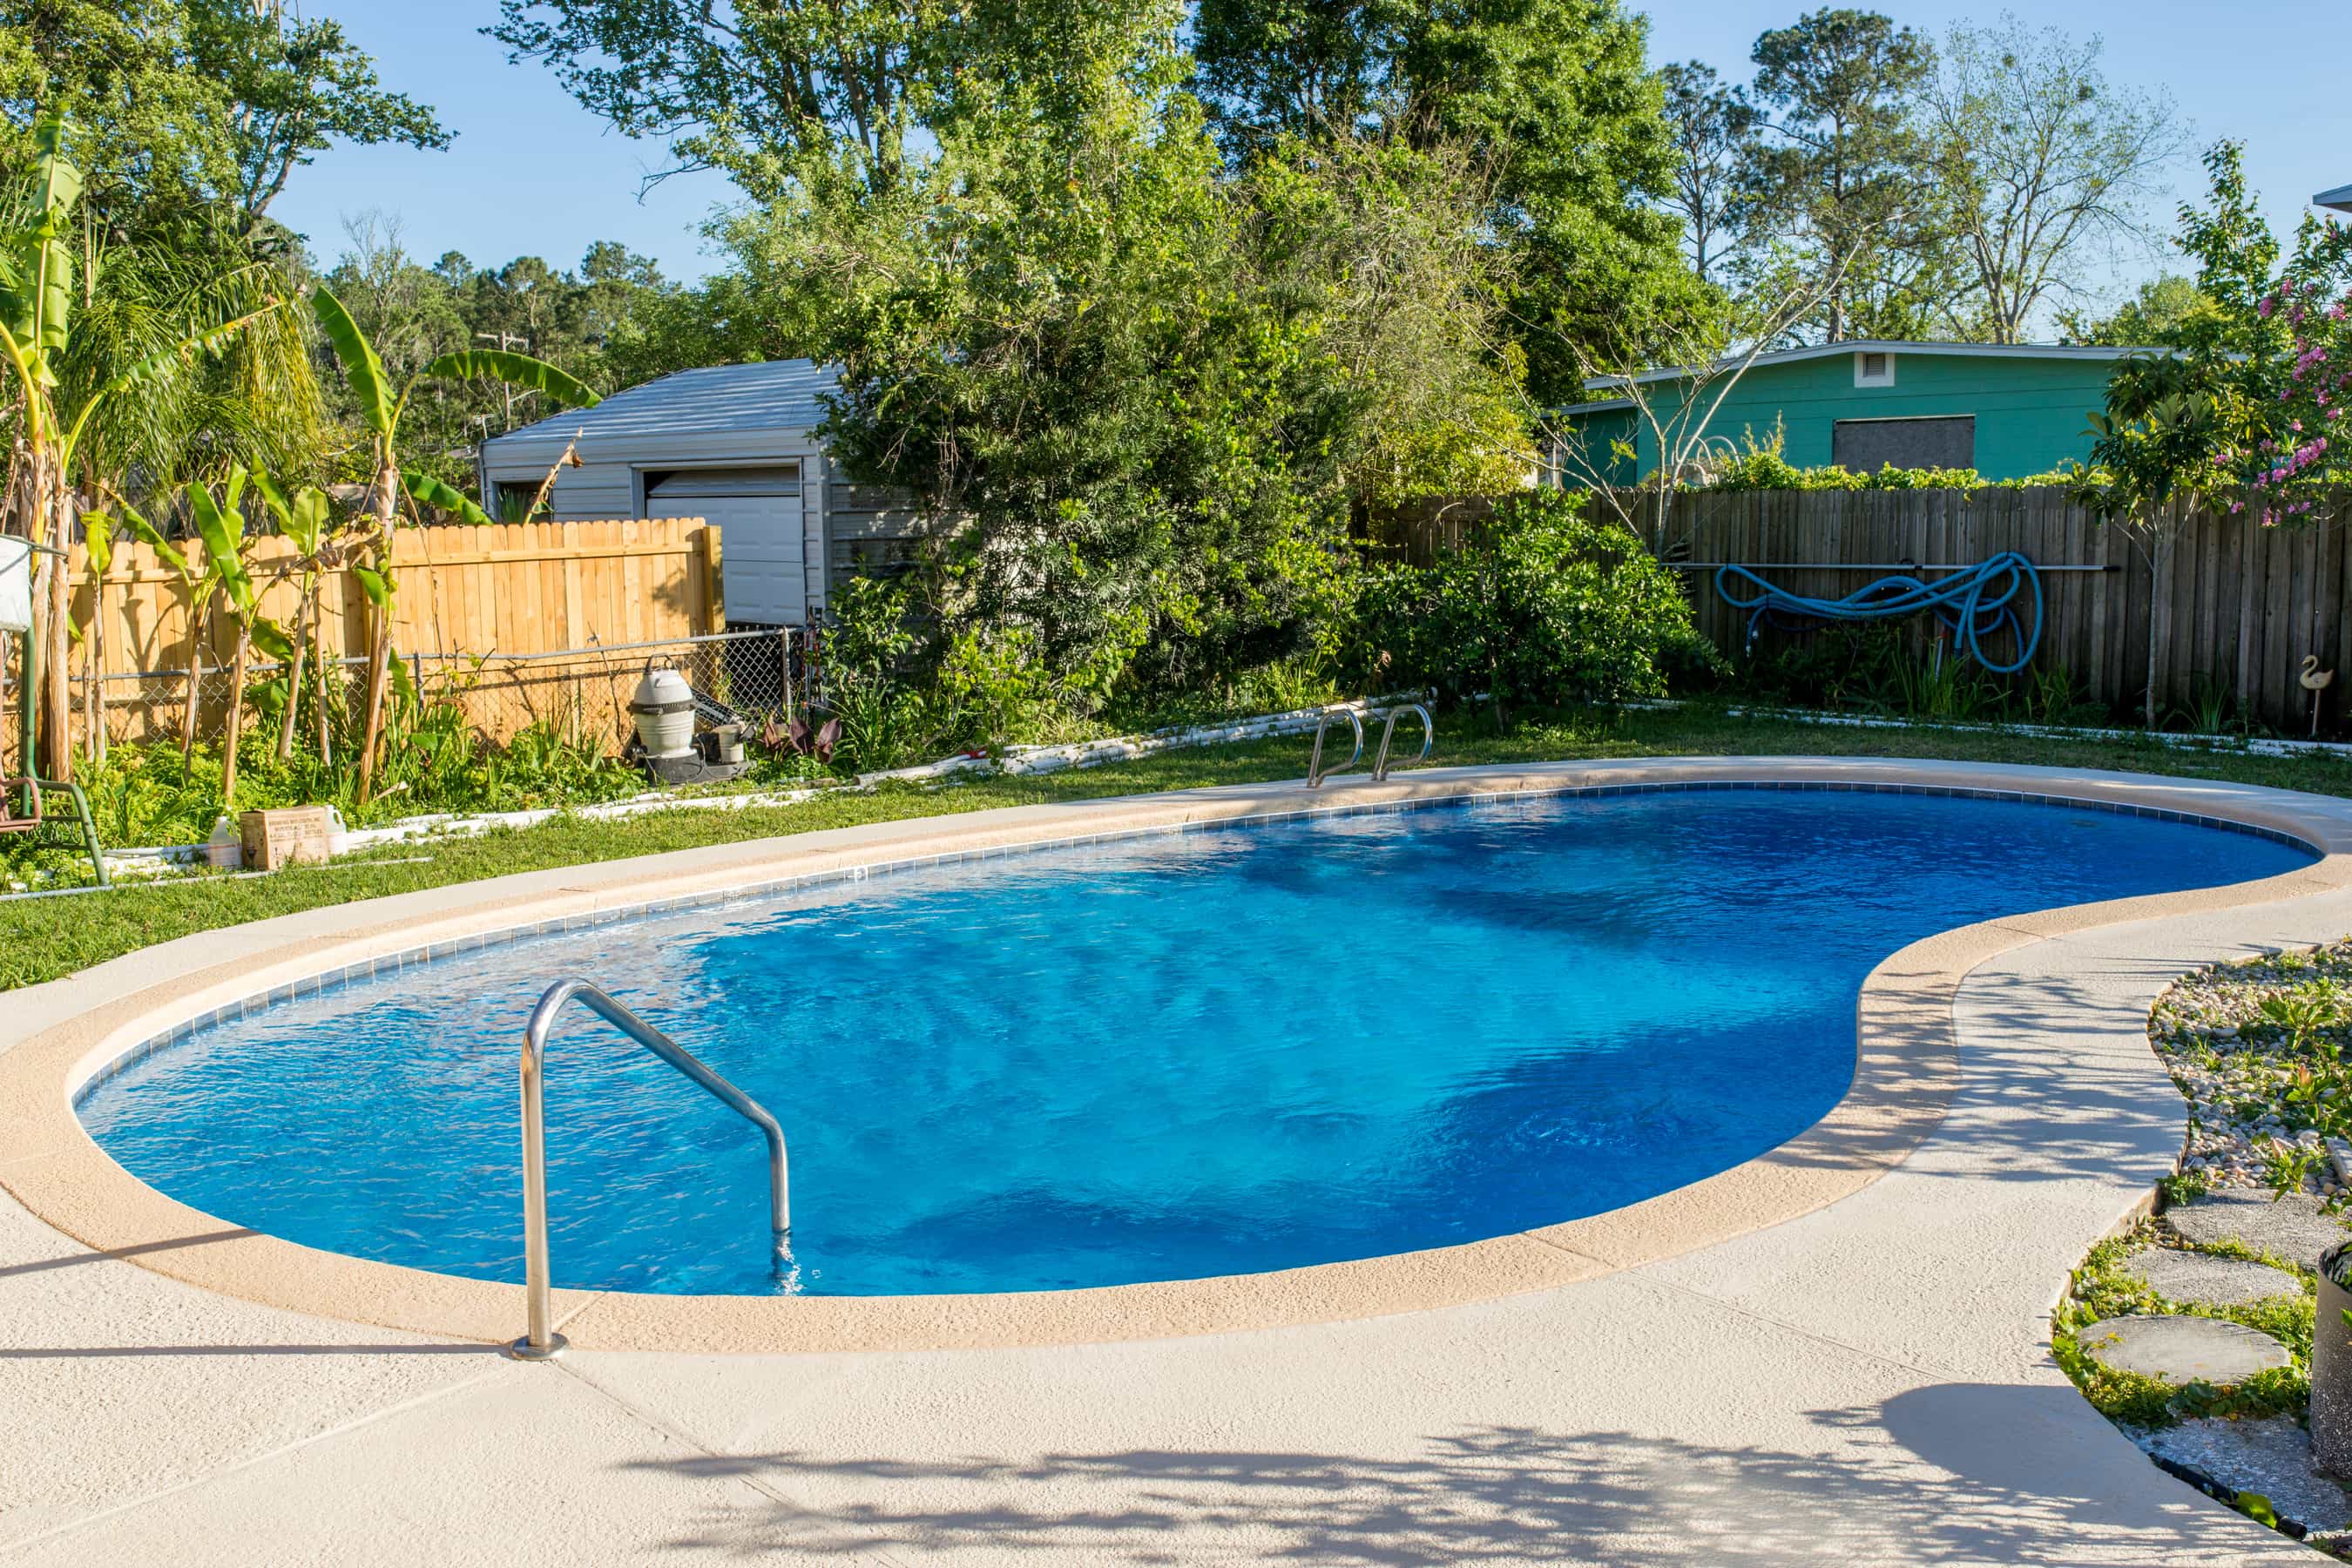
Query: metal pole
point(29, 746)
point(541, 1342)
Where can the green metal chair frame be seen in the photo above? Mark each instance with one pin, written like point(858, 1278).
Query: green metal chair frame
point(31, 790)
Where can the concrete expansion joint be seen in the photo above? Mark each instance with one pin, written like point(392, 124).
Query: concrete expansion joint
point(196, 1482)
point(743, 1472)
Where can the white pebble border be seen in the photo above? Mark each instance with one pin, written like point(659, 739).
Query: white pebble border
point(2237, 745)
point(2228, 1062)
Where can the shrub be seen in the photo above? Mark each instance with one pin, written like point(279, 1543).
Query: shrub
point(1539, 607)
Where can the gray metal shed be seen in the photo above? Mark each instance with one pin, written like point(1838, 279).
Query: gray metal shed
point(734, 444)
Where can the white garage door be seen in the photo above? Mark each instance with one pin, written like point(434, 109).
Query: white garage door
point(758, 514)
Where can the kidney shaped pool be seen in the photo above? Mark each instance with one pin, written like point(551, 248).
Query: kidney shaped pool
point(1250, 1047)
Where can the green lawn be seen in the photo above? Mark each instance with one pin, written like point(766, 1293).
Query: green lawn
point(41, 939)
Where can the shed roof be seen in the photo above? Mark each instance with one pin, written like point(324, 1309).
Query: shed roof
point(774, 395)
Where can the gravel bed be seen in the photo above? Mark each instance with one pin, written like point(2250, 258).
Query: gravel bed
point(2272, 1457)
point(2256, 1110)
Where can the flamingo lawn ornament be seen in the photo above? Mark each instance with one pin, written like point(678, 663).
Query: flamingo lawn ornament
point(2314, 680)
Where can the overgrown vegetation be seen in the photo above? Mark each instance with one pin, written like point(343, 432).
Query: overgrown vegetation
point(1539, 607)
point(1882, 668)
point(1761, 466)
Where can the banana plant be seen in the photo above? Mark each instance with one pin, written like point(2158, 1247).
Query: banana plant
point(222, 528)
point(36, 294)
point(381, 407)
point(197, 582)
point(100, 530)
point(306, 519)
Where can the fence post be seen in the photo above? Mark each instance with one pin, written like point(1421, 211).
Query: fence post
point(714, 581)
point(784, 670)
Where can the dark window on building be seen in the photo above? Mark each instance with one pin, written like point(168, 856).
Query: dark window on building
point(1867, 445)
point(510, 502)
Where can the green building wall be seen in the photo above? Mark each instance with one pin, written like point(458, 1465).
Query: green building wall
point(2032, 414)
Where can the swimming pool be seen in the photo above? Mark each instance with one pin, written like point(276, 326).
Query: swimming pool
point(1244, 1048)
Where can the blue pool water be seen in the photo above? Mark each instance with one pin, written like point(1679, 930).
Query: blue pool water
point(1247, 1049)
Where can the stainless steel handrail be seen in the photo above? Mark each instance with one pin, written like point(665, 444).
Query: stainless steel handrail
point(1428, 736)
point(1316, 771)
point(542, 1343)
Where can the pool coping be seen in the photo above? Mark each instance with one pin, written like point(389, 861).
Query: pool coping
point(1905, 1044)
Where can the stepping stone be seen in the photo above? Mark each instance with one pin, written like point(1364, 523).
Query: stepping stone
point(2193, 1277)
point(2183, 1350)
point(2271, 1456)
point(2290, 1227)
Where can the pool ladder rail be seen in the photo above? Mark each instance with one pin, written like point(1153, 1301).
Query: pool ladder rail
point(1317, 772)
point(541, 1342)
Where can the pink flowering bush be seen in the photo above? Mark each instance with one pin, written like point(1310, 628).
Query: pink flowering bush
point(2254, 409)
point(2250, 410)
point(2304, 447)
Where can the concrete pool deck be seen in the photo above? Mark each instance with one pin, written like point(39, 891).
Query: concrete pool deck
point(1866, 1380)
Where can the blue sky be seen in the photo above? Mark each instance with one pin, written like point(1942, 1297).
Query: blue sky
point(533, 173)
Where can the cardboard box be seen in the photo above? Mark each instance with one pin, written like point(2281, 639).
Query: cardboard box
point(281, 837)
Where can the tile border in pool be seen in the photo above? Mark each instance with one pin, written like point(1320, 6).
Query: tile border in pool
point(1905, 1066)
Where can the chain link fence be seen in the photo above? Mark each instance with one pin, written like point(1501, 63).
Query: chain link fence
point(579, 696)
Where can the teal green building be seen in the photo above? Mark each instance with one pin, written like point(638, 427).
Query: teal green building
point(2007, 410)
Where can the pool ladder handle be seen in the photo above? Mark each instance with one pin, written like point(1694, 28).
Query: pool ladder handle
point(1388, 732)
point(1317, 772)
point(541, 1342)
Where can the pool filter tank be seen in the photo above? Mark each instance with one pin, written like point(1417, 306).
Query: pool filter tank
point(665, 708)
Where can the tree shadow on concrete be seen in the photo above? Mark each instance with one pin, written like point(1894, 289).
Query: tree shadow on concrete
point(1947, 1473)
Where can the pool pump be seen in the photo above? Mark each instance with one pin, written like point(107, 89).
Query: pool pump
point(666, 709)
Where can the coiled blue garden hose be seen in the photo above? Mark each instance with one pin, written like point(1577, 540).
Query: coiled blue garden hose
point(1977, 603)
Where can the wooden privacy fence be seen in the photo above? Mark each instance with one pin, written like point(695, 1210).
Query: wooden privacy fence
point(503, 590)
point(2237, 606)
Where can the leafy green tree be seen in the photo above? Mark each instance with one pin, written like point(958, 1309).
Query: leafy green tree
point(1712, 127)
point(194, 105)
point(1553, 96)
point(2046, 168)
point(2156, 315)
point(1843, 177)
point(767, 91)
point(613, 321)
point(295, 86)
point(1052, 332)
point(1381, 247)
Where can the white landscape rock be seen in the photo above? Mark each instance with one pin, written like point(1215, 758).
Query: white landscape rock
point(2204, 1281)
point(2184, 1350)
